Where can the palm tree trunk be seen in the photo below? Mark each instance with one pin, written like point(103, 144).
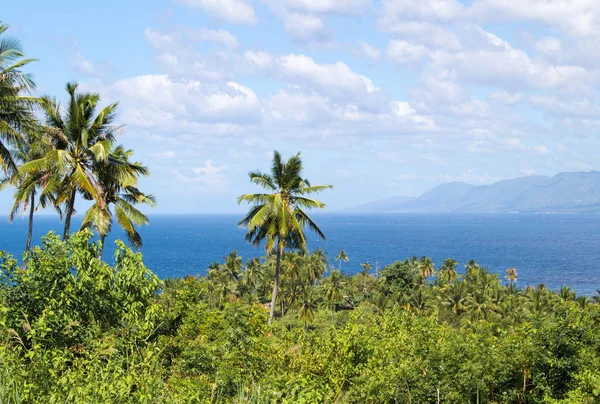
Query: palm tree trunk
point(275, 285)
point(282, 320)
point(102, 238)
point(332, 314)
point(30, 230)
point(68, 214)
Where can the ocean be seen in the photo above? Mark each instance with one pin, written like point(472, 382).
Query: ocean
point(555, 250)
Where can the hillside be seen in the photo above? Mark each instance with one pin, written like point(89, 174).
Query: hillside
point(577, 192)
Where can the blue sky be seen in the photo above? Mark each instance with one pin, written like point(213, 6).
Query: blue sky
point(382, 97)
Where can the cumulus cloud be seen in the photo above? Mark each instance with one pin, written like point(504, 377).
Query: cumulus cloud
point(336, 80)
point(405, 53)
point(151, 99)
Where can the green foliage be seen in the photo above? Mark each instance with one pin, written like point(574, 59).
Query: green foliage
point(76, 329)
point(399, 277)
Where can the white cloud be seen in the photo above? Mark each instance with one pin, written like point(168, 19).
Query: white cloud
point(336, 79)
point(549, 46)
point(405, 111)
point(580, 18)
point(306, 28)
point(207, 178)
point(368, 50)
point(232, 11)
point(472, 107)
point(439, 10)
point(261, 60)
point(220, 36)
point(151, 98)
point(82, 64)
point(403, 52)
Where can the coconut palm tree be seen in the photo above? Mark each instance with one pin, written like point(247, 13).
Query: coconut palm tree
point(232, 268)
point(252, 273)
point(33, 146)
point(278, 217)
point(15, 102)
point(426, 268)
point(308, 306)
point(341, 257)
point(332, 286)
point(448, 271)
point(511, 275)
point(83, 140)
point(117, 179)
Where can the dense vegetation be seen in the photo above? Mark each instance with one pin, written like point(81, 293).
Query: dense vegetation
point(287, 327)
point(75, 329)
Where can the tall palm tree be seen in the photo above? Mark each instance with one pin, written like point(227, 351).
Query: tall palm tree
point(308, 306)
point(252, 273)
point(426, 268)
point(278, 217)
point(117, 179)
point(83, 140)
point(341, 257)
point(33, 146)
point(232, 268)
point(332, 286)
point(448, 271)
point(15, 101)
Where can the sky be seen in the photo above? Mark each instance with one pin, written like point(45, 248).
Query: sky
point(381, 97)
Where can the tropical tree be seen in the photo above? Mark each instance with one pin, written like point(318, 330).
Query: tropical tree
point(448, 271)
point(15, 99)
point(511, 275)
point(332, 286)
point(308, 306)
point(341, 257)
point(33, 146)
point(232, 268)
point(252, 273)
point(278, 217)
point(117, 179)
point(82, 140)
point(426, 268)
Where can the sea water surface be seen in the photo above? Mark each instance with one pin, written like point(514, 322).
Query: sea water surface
point(555, 250)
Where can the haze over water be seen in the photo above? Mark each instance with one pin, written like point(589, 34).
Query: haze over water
point(555, 250)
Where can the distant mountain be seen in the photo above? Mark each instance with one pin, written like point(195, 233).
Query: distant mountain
point(577, 192)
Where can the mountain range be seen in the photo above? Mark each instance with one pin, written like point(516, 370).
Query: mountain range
point(575, 192)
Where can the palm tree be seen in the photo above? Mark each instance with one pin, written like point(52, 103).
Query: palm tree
point(117, 179)
point(15, 103)
point(341, 257)
point(308, 306)
point(332, 286)
point(252, 273)
point(472, 269)
point(448, 271)
point(455, 297)
point(233, 266)
point(33, 146)
point(426, 268)
point(511, 275)
point(278, 217)
point(82, 140)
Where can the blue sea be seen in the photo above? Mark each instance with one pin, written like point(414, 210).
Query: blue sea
point(555, 250)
